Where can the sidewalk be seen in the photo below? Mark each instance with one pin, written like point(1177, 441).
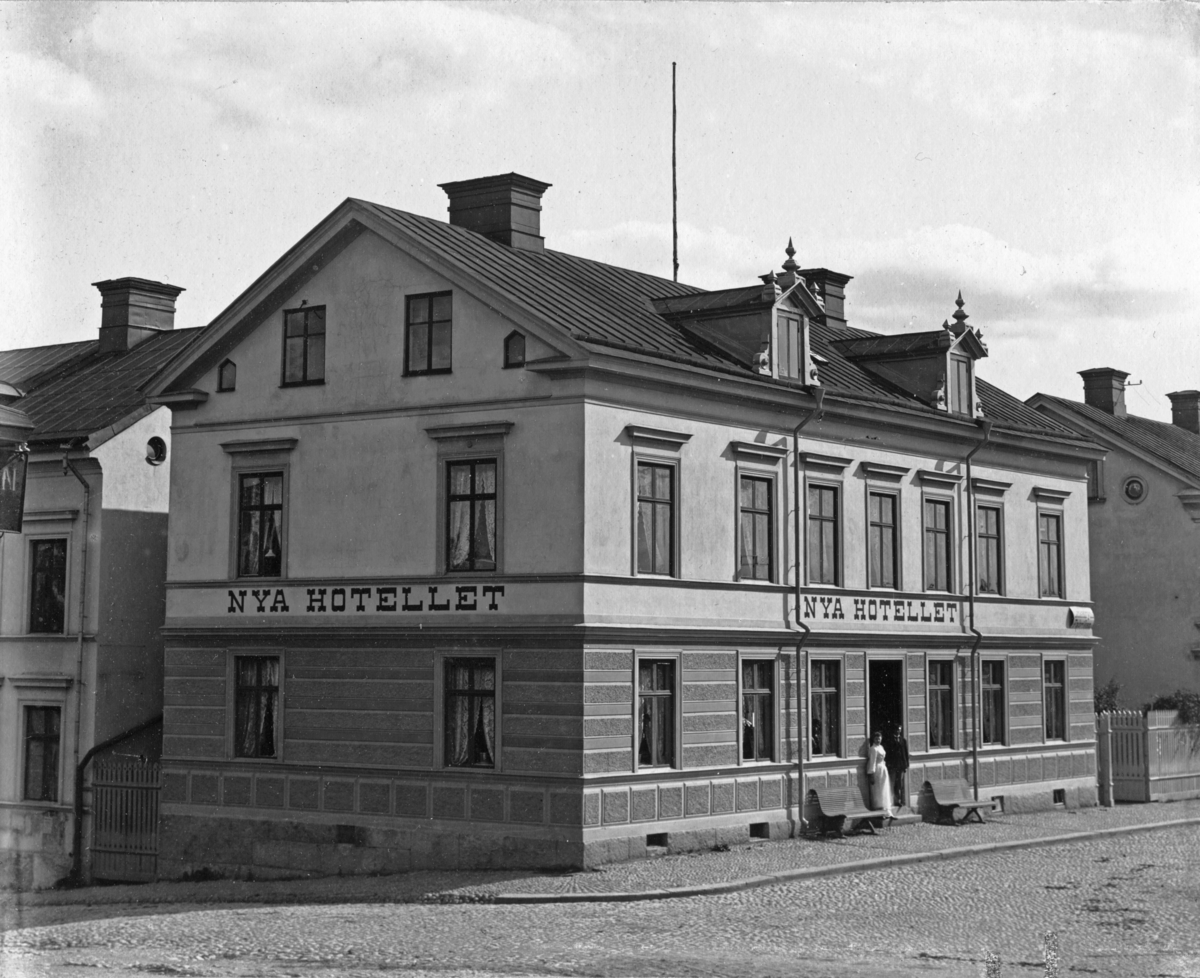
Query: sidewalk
point(751, 864)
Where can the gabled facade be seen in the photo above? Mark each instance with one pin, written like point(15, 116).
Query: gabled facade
point(1144, 522)
point(82, 582)
point(495, 556)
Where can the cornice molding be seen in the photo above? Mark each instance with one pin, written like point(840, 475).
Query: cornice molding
point(247, 446)
point(881, 470)
point(828, 463)
point(657, 437)
point(757, 452)
point(487, 429)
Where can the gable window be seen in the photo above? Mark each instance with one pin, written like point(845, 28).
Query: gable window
point(428, 326)
point(823, 535)
point(470, 713)
point(960, 386)
point(471, 515)
point(304, 345)
point(754, 537)
point(1050, 555)
point(260, 524)
point(656, 712)
point(825, 707)
point(989, 550)
point(1095, 481)
point(882, 552)
point(514, 350)
point(256, 705)
point(758, 710)
point(227, 376)
point(937, 545)
point(941, 703)
point(48, 586)
point(992, 690)
point(1054, 693)
point(655, 518)
point(42, 725)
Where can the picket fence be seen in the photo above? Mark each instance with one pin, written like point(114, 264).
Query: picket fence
point(1147, 756)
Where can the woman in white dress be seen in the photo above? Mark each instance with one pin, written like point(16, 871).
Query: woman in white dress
point(877, 774)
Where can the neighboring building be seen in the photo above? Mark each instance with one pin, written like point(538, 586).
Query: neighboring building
point(81, 586)
point(1143, 516)
point(484, 554)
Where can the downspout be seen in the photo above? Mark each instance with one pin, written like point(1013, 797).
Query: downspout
point(972, 582)
point(815, 414)
point(87, 509)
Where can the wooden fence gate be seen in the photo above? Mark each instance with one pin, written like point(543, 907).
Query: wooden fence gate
point(124, 820)
point(1148, 757)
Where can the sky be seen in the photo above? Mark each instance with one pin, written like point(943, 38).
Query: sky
point(1042, 157)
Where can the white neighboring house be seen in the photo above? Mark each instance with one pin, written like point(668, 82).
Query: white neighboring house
point(81, 584)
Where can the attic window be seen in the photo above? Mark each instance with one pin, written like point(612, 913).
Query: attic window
point(429, 335)
point(791, 347)
point(514, 350)
point(959, 395)
point(227, 376)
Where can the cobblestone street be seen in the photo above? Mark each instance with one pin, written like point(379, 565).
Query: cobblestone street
point(1122, 905)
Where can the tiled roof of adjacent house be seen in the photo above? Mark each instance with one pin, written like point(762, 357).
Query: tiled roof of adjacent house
point(1168, 442)
point(73, 391)
point(612, 309)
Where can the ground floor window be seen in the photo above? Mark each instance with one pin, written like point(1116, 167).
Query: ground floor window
point(470, 715)
point(256, 705)
point(42, 725)
point(758, 711)
point(656, 712)
point(1054, 688)
point(825, 707)
point(941, 704)
point(992, 689)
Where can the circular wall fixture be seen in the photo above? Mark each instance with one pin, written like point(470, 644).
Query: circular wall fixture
point(1134, 489)
point(156, 451)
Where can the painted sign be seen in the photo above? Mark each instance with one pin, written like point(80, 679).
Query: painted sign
point(882, 609)
point(371, 599)
point(12, 489)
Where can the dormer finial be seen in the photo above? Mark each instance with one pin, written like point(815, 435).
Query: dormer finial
point(960, 317)
point(790, 265)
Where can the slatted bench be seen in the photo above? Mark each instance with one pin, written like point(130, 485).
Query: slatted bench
point(949, 795)
point(835, 805)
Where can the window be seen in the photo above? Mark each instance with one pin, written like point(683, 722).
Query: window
point(227, 376)
point(791, 347)
point(304, 346)
point(656, 712)
point(260, 524)
point(256, 705)
point(1050, 555)
point(470, 715)
point(156, 451)
point(941, 704)
point(428, 325)
point(758, 711)
point(826, 708)
point(960, 386)
point(514, 350)
point(937, 545)
point(471, 515)
point(822, 535)
point(882, 552)
point(1054, 691)
point(988, 563)
point(42, 725)
point(48, 585)
point(655, 518)
point(1095, 480)
point(992, 688)
point(754, 538)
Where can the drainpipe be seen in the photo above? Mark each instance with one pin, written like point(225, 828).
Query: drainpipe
point(87, 508)
point(972, 580)
point(815, 414)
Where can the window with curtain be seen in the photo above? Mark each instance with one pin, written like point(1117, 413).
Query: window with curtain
point(471, 515)
point(428, 323)
point(42, 728)
point(655, 519)
point(941, 704)
point(48, 586)
point(754, 541)
point(882, 551)
point(256, 706)
point(1054, 694)
point(470, 717)
point(1050, 555)
point(988, 549)
point(825, 707)
point(656, 712)
point(822, 535)
point(937, 545)
point(260, 524)
point(992, 690)
point(303, 346)
point(758, 711)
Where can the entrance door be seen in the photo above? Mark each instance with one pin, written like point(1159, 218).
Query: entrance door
point(885, 696)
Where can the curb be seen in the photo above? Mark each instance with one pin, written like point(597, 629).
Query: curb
point(816, 872)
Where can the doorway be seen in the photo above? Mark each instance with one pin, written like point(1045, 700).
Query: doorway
point(885, 695)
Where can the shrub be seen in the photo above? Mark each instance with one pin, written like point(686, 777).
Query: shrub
point(1183, 700)
point(1107, 696)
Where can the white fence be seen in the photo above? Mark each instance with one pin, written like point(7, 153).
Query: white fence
point(1147, 757)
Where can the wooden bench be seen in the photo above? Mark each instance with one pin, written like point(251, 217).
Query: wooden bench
point(835, 805)
point(949, 795)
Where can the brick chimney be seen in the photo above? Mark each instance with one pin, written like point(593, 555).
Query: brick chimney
point(830, 290)
point(1104, 389)
point(506, 208)
point(1185, 410)
point(133, 310)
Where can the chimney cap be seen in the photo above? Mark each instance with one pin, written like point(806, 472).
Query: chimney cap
point(516, 180)
point(132, 284)
point(1103, 372)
